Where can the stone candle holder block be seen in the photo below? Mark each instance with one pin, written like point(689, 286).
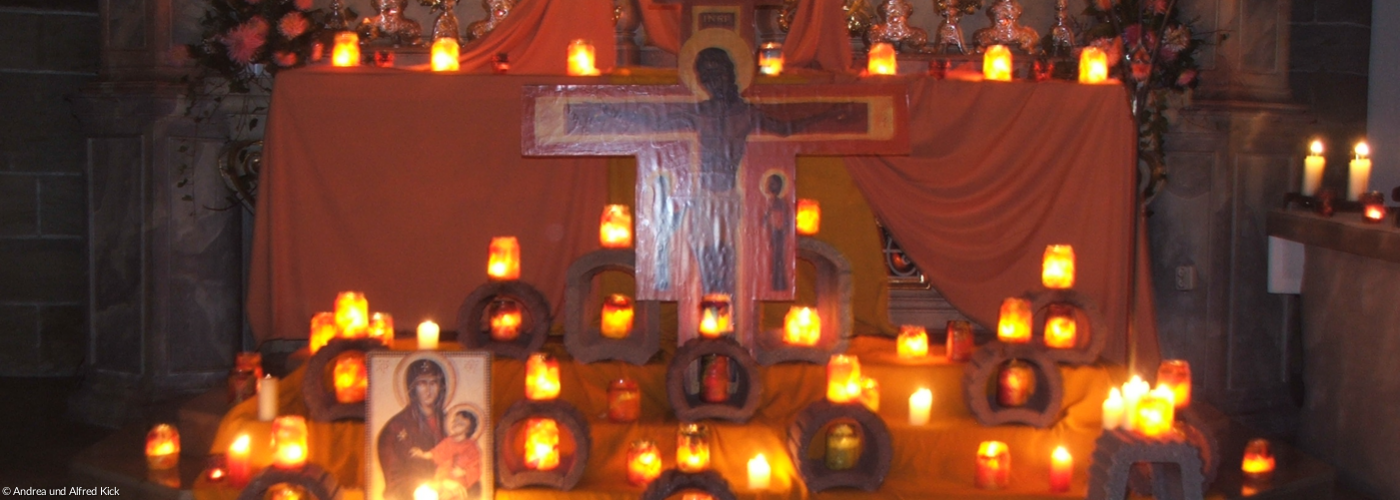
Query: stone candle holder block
point(1043, 408)
point(672, 481)
point(743, 401)
point(317, 481)
point(1193, 427)
point(1116, 451)
point(510, 462)
point(586, 342)
point(318, 386)
point(1091, 327)
point(877, 448)
point(833, 287)
point(535, 310)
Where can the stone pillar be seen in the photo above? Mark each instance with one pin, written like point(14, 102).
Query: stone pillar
point(1231, 156)
point(165, 259)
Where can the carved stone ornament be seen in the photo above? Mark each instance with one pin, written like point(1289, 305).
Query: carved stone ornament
point(1062, 34)
point(949, 35)
point(445, 26)
point(1006, 29)
point(896, 29)
point(496, 12)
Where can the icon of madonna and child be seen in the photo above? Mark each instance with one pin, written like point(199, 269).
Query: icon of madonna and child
point(428, 422)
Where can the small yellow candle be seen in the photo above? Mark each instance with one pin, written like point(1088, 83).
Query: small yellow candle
point(1060, 327)
point(504, 261)
point(615, 228)
point(581, 58)
point(1155, 413)
point(1133, 392)
point(802, 327)
point(289, 442)
point(920, 405)
point(912, 342)
point(617, 316)
point(346, 52)
point(1313, 166)
point(881, 60)
point(809, 217)
point(770, 59)
point(996, 64)
point(843, 378)
point(445, 54)
point(1093, 65)
point(541, 444)
point(1360, 172)
point(428, 336)
point(352, 315)
point(1014, 323)
point(1113, 410)
point(541, 377)
point(760, 473)
point(1057, 267)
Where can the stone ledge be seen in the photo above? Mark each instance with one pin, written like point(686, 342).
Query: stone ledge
point(1343, 232)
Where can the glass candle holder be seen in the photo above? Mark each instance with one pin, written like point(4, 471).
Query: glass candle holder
point(624, 400)
point(912, 342)
point(881, 60)
point(1061, 328)
point(1176, 375)
point(505, 317)
point(289, 442)
point(1258, 462)
point(1014, 323)
point(870, 394)
point(381, 328)
point(1015, 383)
point(323, 329)
point(1155, 413)
point(350, 377)
point(503, 264)
point(346, 52)
point(809, 217)
point(444, 54)
point(960, 342)
point(842, 378)
point(352, 315)
point(1372, 207)
point(541, 444)
point(243, 377)
point(843, 447)
point(993, 465)
point(996, 64)
point(581, 59)
point(1093, 65)
point(716, 315)
point(802, 327)
point(541, 377)
point(692, 448)
point(714, 379)
point(616, 318)
point(162, 447)
point(615, 228)
point(643, 462)
point(770, 59)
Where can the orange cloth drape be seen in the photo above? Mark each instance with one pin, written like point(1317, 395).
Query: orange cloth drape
point(998, 172)
point(536, 37)
point(818, 37)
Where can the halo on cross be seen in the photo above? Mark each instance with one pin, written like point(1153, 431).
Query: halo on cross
point(739, 52)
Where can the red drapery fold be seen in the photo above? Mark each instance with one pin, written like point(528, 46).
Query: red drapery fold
point(991, 182)
point(818, 37)
point(536, 37)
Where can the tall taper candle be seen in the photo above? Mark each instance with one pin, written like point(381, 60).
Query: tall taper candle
point(1360, 172)
point(267, 399)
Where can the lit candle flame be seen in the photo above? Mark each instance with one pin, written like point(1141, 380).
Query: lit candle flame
point(1316, 147)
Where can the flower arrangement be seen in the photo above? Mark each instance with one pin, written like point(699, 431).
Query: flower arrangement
point(1155, 52)
point(247, 41)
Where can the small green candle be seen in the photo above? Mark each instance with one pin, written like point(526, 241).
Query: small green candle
point(842, 447)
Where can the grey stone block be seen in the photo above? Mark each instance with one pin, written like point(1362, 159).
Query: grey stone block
point(42, 271)
point(19, 208)
point(38, 131)
point(19, 35)
point(19, 340)
point(62, 339)
point(69, 43)
point(62, 206)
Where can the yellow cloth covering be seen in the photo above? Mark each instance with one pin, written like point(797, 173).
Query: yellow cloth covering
point(933, 460)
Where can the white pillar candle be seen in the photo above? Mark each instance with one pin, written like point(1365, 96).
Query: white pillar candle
point(267, 399)
point(1313, 166)
point(760, 474)
point(920, 403)
point(1133, 391)
point(1113, 410)
point(428, 336)
point(1360, 172)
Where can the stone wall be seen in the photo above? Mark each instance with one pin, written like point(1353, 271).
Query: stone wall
point(1331, 56)
point(48, 51)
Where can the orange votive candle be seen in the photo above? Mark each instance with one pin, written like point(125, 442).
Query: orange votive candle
point(960, 341)
point(541, 444)
point(504, 261)
point(1258, 463)
point(993, 465)
point(162, 447)
point(1093, 65)
point(1061, 470)
point(351, 314)
point(996, 64)
point(289, 442)
point(1372, 206)
point(351, 379)
point(624, 400)
point(1014, 324)
point(882, 60)
point(1176, 374)
point(692, 448)
point(809, 217)
point(802, 327)
point(381, 328)
point(1060, 327)
point(541, 377)
point(506, 318)
point(1057, 268)
point(1015, 383)
point(346, 51)
point(714, 379)
point(1155, 413)
point(236, 461)
point(643, 462)
point(581, 59)
point(912, 342)
point(445, 54)
point(323, 329)
point(715, 315)
point(870, 393)
point(770, 59)
point(617, 315)
point(842, 378)
point(615, 228)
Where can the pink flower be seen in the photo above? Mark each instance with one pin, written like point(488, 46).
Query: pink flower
point(1158, 6)
point(302, 5)
point(1186, 78)
point(1141, 66)
point(285, 59)
point(244, 41)
point(293, 25)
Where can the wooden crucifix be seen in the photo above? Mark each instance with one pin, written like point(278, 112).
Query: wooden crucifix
point(716, 163)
